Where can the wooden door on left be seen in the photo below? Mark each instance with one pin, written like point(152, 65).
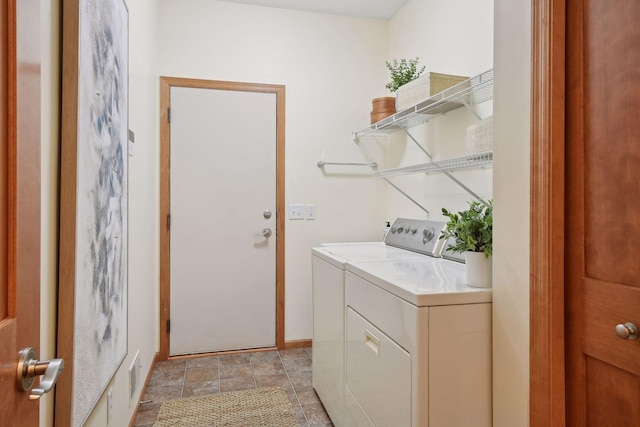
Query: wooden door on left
point(19, 202)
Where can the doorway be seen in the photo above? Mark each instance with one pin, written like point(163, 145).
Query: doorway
point(222, 228)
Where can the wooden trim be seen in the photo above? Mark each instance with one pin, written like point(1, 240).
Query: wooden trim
point(222, 353)
point(132, 422)
point(280, 215)
point(68, 155)
point(4, 155)
point(165, 242)
point(290, 345)
point(165, 150)
point(547, 365)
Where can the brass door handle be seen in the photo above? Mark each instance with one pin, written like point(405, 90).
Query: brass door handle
point(29, 367)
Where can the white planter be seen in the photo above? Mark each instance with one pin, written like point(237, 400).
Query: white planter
point(478, 269)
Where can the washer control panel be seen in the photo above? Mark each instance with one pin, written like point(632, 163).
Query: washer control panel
point(417, 235)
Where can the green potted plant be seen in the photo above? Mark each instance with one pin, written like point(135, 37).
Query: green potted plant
point(472, 230)
point(402, 71)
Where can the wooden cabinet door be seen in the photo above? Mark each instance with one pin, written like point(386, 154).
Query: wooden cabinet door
point(602, 212)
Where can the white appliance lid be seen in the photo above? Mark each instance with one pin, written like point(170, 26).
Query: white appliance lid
point(422, 282)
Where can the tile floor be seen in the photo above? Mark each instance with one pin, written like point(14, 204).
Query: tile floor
point(289, 369)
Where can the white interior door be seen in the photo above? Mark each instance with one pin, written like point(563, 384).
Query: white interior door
point(223, 180)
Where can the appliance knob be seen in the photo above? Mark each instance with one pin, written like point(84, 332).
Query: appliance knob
point(414, 230)
point(393, 229)
point(400, 229)
point(406, 230)
point(428, 234)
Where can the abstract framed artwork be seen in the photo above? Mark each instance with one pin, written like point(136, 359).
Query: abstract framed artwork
point(93, 287)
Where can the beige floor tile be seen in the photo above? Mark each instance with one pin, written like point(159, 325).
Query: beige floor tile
point(234, 359)
point(237, 384)
point(297, 353)
point(148, 413)
point(210, 362)
point(264, 356)
point(278, 380)
point(267, 368)
point(200, 388)
point(306, 395)
point(316, 414)
point(160, 393)
point(196, 375)
point(300, 378)
point(235, 371)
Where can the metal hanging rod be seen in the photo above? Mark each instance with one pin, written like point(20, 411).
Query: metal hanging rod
point(322, 164)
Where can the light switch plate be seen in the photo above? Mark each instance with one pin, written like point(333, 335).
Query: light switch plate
point(310, 211)
point(296, 211)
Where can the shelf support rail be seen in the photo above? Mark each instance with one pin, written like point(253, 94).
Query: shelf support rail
point(447, 173)
point(472, 109)
point(322, 164)
point(373, 166)
point(403, 193)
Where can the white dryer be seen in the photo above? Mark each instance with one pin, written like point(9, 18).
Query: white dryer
point(376, 298)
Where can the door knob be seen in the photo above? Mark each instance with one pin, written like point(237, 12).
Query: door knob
point(29, 367)
point(265, 233)
point(627, 331)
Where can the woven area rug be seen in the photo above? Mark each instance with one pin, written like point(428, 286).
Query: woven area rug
point(262, 407)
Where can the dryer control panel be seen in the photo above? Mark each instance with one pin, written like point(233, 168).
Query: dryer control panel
point(417, 235)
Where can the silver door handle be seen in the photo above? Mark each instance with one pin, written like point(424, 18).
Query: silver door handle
point(627, 331)
point(265, 233)
point(29, 367)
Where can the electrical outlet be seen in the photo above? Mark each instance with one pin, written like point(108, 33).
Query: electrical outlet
point(109, 405)
point(296, 211)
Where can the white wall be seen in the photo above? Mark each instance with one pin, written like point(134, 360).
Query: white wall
point(143, 202)
point(511, 195)
point(452, 37)
point(332, 67)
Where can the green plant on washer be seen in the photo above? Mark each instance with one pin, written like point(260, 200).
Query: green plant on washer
point(472, 228)
point(402, 72)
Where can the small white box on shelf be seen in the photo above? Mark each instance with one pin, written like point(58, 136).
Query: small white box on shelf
point(480, 136)
point(423, 88)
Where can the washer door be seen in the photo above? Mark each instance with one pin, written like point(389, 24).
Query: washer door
point(378, 374)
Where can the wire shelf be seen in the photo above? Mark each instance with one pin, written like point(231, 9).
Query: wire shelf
point(473, 91)
point(484, 158)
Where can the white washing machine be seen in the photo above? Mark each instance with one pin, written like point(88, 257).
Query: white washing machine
point(408, 320)
point(328, 267)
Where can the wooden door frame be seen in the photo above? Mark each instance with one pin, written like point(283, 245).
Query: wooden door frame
point(547, 281)
point(20, 78)
point(166, 83)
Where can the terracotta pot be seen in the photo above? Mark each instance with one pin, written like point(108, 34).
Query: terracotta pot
point(382, 108)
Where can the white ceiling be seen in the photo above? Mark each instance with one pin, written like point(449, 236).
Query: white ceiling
point(376, 9)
